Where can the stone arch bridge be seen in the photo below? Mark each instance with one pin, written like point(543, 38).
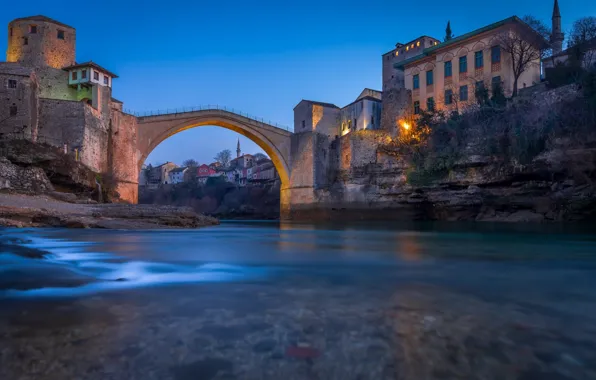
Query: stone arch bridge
point(292, 154)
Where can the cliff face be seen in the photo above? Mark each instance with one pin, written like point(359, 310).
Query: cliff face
point(480, 189)
point(535, 161)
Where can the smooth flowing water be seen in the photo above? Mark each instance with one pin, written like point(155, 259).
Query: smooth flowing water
point(265, 300)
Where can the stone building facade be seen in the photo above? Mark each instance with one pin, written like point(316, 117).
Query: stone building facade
point(447, 75)
point(47, 97)
point(328, 119)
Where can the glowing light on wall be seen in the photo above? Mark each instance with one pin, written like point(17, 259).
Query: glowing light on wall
point(405, 125)
point(418, 43)
point(396, 53)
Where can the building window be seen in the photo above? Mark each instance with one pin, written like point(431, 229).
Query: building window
point(106, 80)
point(13, 110)
point(430, 104)
point(75, 75)
point(372, 121)
point(25, 41)
point(396, 53)
point(84, 74)
point(447, 69)
point(418, 43)
point(33, 29)
point(11, 32)
point(429, 77)
point(303, 123)
point(495, 54)
point(478, 60)
point(463, 64)
point(12, 83)
point(496, 83)
point(417, 108)
point(448, 97)
point(95, 75)
point(416, 80)
point(60, 35)
point(463, 93)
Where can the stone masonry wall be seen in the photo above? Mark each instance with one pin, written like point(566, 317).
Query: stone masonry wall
point(396, 104)
point(94, 150)
point(18, 106)
point(61, 121)
point(43, 48)
point(53, 84)
point(123, 154)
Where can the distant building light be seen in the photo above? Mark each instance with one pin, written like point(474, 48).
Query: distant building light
point(407, 48)
point(418, 43)
point(396, 53)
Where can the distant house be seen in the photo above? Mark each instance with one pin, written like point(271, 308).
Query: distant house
point(263, 171)
point(244, 161)
point(159, 175)
point(177, 175)
point(585, 51)
point(204, 172)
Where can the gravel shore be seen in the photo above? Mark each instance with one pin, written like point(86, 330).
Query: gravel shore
point(18, 210)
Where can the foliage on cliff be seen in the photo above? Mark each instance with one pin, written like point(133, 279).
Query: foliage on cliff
point(219, 198)
point(511, 133)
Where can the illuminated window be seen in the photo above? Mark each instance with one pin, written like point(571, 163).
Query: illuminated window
point(95, 75)
point(60, 35)
point(397, 53)
point(75, 75)
point(412, 46)
point(32, 29)
point(418, 43)
point(407, 48)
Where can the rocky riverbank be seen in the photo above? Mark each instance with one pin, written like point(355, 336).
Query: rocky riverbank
point(19, 210)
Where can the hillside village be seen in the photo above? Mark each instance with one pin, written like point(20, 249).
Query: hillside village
point(243, 170)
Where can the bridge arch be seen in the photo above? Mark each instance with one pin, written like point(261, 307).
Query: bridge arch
point(152, 130)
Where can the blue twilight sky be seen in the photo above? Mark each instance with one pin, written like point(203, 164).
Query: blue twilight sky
point(261, 57)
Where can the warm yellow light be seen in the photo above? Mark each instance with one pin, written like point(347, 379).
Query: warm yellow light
point(396, 53)
point(405, 125)
point(418, 43)
point(412, 46)
point(407, 48)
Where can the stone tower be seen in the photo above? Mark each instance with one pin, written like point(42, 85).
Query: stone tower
point(238, 148)
point(557, 37)
point(39, 42)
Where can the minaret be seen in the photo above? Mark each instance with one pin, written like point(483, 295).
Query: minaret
point(556, 39)
point(448, 32)
point(238, 149)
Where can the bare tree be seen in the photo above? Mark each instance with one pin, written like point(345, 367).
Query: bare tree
point(190, 163)
point(224, 157)
point(525, 48)
point(583, 30)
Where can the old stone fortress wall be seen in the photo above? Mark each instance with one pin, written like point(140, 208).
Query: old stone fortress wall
point(47, 97)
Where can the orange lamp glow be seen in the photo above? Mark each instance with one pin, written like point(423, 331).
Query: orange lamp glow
point(405, 125)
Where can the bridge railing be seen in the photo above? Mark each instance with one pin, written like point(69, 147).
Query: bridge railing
point(174, 111)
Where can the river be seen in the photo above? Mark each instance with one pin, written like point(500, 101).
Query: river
point(263, 300)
